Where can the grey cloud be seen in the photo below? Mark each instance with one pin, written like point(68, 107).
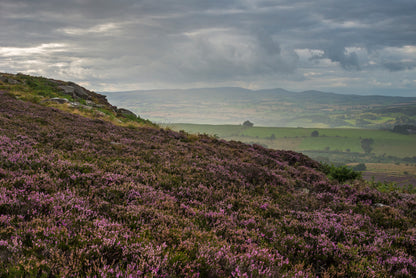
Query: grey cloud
point(399, 66)
point(348, 61)
point(183, 41)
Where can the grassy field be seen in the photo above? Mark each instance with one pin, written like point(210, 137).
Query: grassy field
point(386, 143)
point(392, 153)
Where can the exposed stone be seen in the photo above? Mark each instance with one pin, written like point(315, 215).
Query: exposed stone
point(69, 90)
point(99, 113)
point(75, 91)
point(80, 92)
point(57, 100)
point(56, 82)
point(9, 80)
point(12, 81)
point(125, 113)
point(79, 105)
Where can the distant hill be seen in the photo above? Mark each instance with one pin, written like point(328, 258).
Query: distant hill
point(274, 107)
point(82, 195)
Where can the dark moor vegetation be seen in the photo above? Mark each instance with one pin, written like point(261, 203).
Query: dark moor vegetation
point(84, 197)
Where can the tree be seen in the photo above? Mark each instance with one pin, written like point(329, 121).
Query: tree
point(314, 133)
point(366, 144)
point(404, 129)
point(248, 124)
point(360, 167)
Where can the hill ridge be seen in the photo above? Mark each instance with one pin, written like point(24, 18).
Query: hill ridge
point(65, 95)
point(269, 107)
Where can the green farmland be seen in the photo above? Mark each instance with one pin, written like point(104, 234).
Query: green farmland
point(386, 142)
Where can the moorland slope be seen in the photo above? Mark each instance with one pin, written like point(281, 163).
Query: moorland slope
point(83, 197)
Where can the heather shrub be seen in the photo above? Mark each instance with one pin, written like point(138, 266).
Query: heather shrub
point(340, 173)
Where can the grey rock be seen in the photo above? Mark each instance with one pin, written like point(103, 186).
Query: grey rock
point(125, 113)
point(57, 100)
point(99, 113)
point(79, 105)
point(81, 93)
point(56, 82)
point(12, 81)
point(75, 91)
point(9, 80)
point(305, 190)
point(69, 90)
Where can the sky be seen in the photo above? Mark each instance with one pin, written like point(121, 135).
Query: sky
point(354, 46)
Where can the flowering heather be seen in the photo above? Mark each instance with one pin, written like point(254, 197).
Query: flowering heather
point(82, 197)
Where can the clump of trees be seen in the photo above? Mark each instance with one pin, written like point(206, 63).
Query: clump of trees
point(367, 144)
point(360, 167)
point(315, 133)
point(405, 129)
point(248, 124)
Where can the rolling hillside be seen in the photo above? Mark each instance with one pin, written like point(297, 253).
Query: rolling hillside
point(94, 196)
point(273, 108)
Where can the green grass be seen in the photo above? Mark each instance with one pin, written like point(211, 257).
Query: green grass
point(386, 143)
point(331, 143)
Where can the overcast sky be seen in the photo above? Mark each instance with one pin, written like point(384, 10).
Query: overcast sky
point(354, 46)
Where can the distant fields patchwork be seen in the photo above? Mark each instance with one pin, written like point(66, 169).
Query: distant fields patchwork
point(274, 107)
point(386, 142)
point(332, 145)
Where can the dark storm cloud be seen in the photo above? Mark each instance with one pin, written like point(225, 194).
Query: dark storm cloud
point(182, 42)
point(398, 66)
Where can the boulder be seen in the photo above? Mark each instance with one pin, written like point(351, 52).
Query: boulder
point(125, 113)
point(75, 91)
point(57, 100)
point(81, 92)
point(69, 90)
point(79, 105)
point(9, 80)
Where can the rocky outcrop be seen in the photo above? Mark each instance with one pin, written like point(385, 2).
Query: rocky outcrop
point(69, 93)
point(76, 91)
point(6, 79)
point(126, 113)
point(57, 100)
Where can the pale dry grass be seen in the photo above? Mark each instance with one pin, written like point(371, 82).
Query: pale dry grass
point(393, 169)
